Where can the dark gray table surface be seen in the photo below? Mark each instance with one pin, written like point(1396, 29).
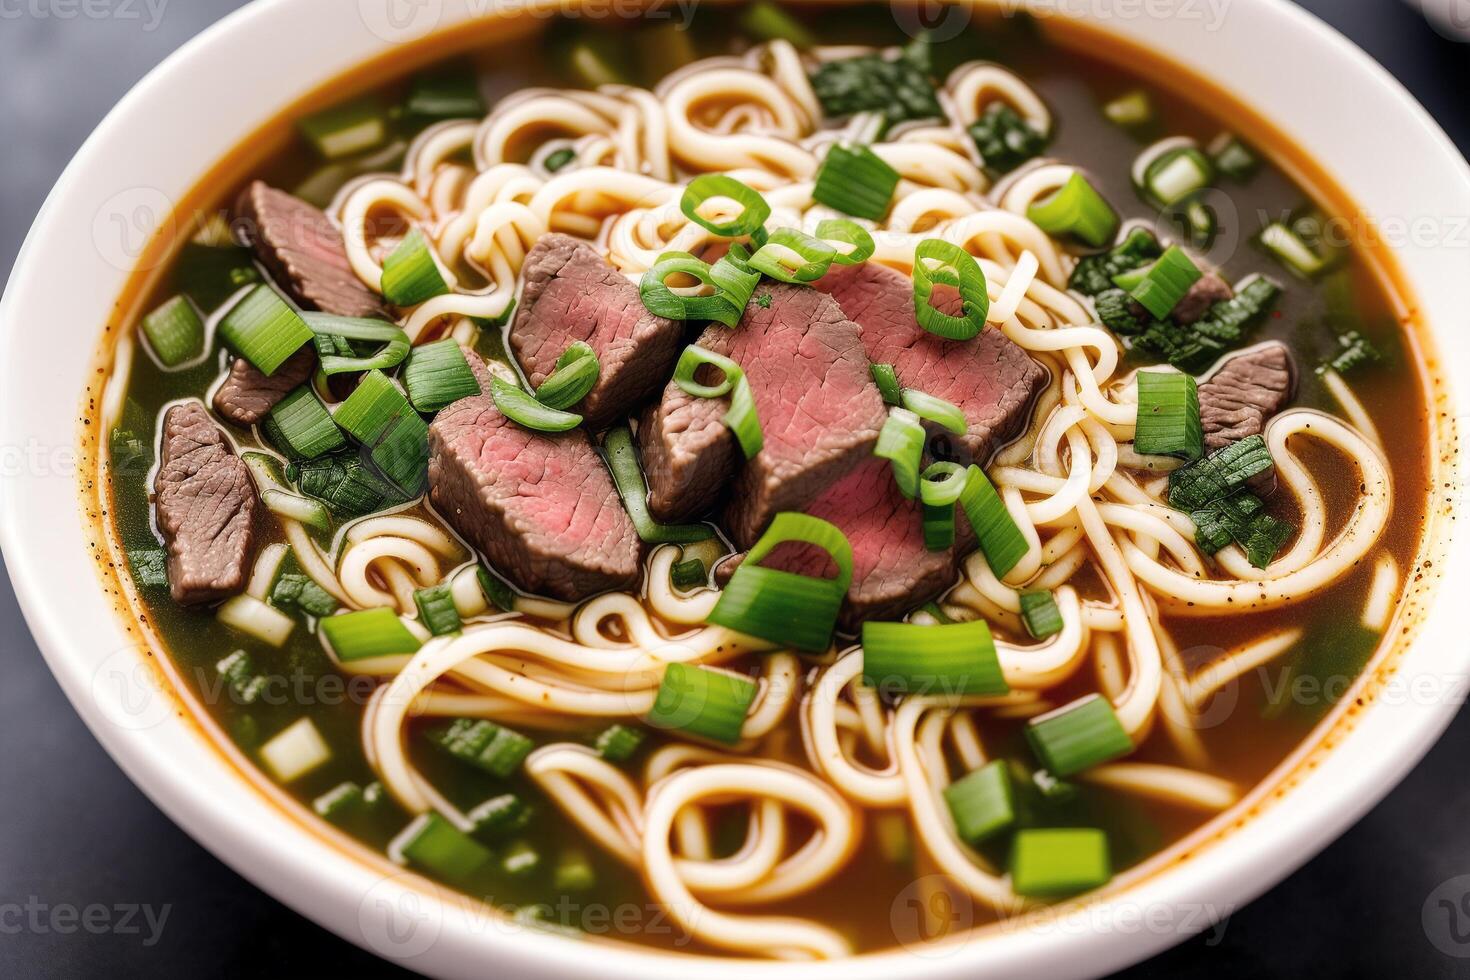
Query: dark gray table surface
point(75, 833)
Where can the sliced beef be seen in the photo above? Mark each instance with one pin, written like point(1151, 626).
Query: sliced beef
point(206, 507)
point(541, 507)
point(819, 412)
point(1207, 290)
point(989, 377)
point(572, 293)
point(893, 572)
point(304, 252)
point(1244, 392)
point(248, 394)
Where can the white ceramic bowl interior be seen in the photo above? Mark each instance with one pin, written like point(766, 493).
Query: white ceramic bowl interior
point(169, 131)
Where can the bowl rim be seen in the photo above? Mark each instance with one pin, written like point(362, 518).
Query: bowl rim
point(245, 827)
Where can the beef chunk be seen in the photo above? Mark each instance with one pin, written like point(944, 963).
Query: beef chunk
point(572, 293)
point(304, 252)
point(989, 377)
point(1207, 290)
point(1244, 392)
point(541, 507)
point(206, 508)
point(247, 394)
point(893, 572)
point(819, 411)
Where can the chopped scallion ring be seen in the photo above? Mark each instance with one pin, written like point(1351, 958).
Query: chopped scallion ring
point(1168, 416)
point(1131, 110)
point(1000, 539)
point(940, 262)
point(902, 659)
point(936, 410)
point(175, 333)
point(848, 233)
point(753, 208)
point(1040, 613)
point(939, 491)
point(982, 804)
point(622, 460)
point(1161, 286)
point(300, 426)
point(721, 306)
point(793, 610)
point(367, 633)
point(1078, 736)
point(1177, 174)
point(483, 744)
point(789, 255)
point(702, 701)
point(378, 415)
point(411, 274)
point(395, 341)
point(524, 410)
point(1289, 248)
point(1076, 209)
point(436, 608)
point(855, 181)
point(1052, 863)
point(887, 381)
point(264, 329)
point(741, 419)
point(438, 374)
point(347, 129)
point(901, 442)
point(576, 374)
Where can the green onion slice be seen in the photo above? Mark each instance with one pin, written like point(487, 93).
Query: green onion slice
point(1168, 416)
point(1178, 174)
point(855, 181)
point(753, 208)
point(887, 380)
point(848, 233)
point(1052, 863)
point(526, 411)
point(300, 426)
point(367, 633)
point(793, 256)
point(982, 804)
point(951, 661)
point(793, 610)
point(264, 329)
point(326, 325)
point(702, 701)
point(436, 609)
point(483, 744)
point(1219, 474)
point(174, 331)
point(622, 460)
point(433, 843)
point(411, 274)
point(939, 490)
point(438, 374)
point(1078, 736)
point(901, 441)
point(1000, 539)
point(1040, 613)
point(741, 419)
point(346, 130)
point(688, 574)
point(1161, 286)
point(1289, 248)
point(935, 409)
point(378, 415)
point(617, 743)
point(1131, 109)
point(720, 306)
point(939, 262)
point(1076, 209)
point(576, 373)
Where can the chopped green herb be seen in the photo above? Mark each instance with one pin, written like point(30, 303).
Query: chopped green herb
point(1356, 351)
point(1004, 139)
point(1094, 274)
point(899, 88)
point(295, 591)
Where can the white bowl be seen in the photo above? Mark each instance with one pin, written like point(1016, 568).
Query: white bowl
point(180, 120)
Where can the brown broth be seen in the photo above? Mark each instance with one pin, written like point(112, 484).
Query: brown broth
point(866, 900)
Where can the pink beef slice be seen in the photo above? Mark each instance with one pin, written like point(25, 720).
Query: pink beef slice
point(989, 377)
point(247, 394)
point(819, 410)
point(541, 507)
point(206, 507)
point(571, 293)
point(304, 252)
point(1245, 392)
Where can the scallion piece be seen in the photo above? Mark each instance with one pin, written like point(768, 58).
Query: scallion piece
point(484, 745)
point(622, 460)
point(378, 415)
point(1078, 736)
point(497, 593)
point(367, 633)
point(723, 305)
point(793, 256)
point(935, 409)
point(344, 483)
point(1161, 286)
point(688, 574)
point(950, 661)
point(299, 592)
point(855, 181)
point(526, 411)
point(1289, 248)
point(500, 816)
point(741, 418)
point(847, 233)
point(1168, 416)
point(264, 329)
point(295, 750)
point(339, 801)
point(174, 331)
point(436, 609)
point(437, 375)
point(1004, 138)
point(411, 273)
point(1219, 474)
point(347, 129)
point(337, 357)
point(573, 873)
point(1052, 863)
point(449, 93)
point(1040, 614)
point(887, 380)
point(575, 374)
point(1199, 219)
point(703, 702)
point(301, 427)
point(520, 859)
point(433, 843)
point(1000, 539)
point(940, 262)
point(313, 513)
point(1177, 174)
point(558, 159)
point(793, 610)
point(982, 804)
point(617, 743)
point(753, 208)
point(1234, 159)
point(901, 442)
point(150, 567)
point(939, 490)
point(1131, 110)
point(766, 21)
point(1076, 209)
point(249, 615)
